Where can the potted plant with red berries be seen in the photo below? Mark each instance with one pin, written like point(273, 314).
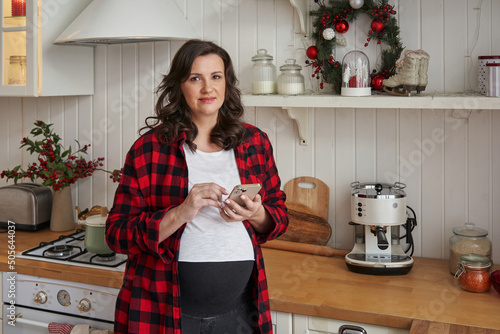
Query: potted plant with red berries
point(57, 168)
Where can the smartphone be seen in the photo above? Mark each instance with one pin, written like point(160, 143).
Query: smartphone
point(249, 190)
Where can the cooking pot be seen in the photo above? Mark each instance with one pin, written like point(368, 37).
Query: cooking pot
point(95, 239)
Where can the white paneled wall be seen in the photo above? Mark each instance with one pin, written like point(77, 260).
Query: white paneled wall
point(447, 158)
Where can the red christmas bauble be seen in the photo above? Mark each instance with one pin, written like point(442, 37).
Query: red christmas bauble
point(342, 26)
point(312, 52)
point(377, 82)
point(377, 25)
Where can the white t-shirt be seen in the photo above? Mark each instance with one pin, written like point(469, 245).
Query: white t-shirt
point(208, 237)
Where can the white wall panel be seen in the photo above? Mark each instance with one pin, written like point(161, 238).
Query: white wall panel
point(366, 145)
point(495, 181)
point(479, 169)
point(447, 163)
point(433, 42)
point(324, 151)
point(6, 136)
point(455, 44)
point(305, 163)
point(212, 11)
point(345, 166)
point(112, 127)
point(431, 219)
point(127, 107)
point(387, 164)
point(70, 113)
point(495, 28)
point(478, 38)
point(84, 187)
point(409, 13)
point(28, 119)
point(98, 117)
point(285, 38)
point(410, 155)
point(285, 141)
point(455, 173)
point(248, 43)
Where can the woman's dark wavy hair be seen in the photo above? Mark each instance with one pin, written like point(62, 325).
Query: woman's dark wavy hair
point(172, 114)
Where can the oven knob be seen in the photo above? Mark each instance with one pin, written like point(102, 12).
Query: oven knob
point(41, 298)
point(84, 305)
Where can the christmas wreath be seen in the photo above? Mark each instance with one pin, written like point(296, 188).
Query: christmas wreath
point(333, 19)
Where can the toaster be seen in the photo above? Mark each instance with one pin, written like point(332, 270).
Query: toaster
point(28, 205)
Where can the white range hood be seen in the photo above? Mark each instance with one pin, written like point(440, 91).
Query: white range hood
point(128, 21)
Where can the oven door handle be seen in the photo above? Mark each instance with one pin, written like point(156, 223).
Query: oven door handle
point(21, 320)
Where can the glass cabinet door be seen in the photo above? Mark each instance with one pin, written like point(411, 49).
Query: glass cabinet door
point(18, 47)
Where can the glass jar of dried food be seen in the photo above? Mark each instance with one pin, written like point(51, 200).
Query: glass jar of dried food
point(17, 70)
point(263, 73)
point(473, 272)
point(468, 239)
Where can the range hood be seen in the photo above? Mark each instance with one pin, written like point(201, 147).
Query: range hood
point(127, 21)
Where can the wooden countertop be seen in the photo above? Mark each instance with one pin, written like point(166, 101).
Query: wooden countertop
point(322, 286)
point(319, 286)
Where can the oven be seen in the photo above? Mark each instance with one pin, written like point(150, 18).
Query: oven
point(31, 304)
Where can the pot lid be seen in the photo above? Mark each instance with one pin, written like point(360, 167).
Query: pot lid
point(262, 55)
point(127, 21)
point(378, 190)
point(470, 230)
point(96, 220)
point(290, 65)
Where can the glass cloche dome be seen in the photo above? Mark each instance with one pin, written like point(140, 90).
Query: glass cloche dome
point(355, 74)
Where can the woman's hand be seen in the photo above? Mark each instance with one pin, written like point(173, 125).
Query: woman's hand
point(200, 196)
point(253, 211)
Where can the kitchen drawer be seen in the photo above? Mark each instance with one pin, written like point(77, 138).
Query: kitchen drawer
point(315, 325)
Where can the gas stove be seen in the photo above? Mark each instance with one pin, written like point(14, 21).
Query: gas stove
point(70, 249)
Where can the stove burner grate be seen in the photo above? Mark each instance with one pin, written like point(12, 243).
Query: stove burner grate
point(60, 251)
point(99, 258)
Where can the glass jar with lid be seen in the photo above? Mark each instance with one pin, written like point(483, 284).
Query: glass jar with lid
point(468, 239)
point(290, 81)
point(263, 73)
point(473, 272)
point(17, 70)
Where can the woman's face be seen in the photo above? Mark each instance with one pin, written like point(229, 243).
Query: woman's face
point(205, 88)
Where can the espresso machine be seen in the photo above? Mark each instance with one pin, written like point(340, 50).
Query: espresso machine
point(378, 210)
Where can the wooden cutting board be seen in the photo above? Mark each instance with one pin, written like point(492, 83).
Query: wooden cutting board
point(310, 192)
point(307, 203)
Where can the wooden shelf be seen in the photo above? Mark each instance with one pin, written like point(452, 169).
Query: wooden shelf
point(377, 101)
point(298, 107)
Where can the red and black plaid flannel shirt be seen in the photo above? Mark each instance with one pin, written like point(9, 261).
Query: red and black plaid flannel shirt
point(155, 179)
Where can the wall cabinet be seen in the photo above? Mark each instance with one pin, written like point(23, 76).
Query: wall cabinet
point(30, 64)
